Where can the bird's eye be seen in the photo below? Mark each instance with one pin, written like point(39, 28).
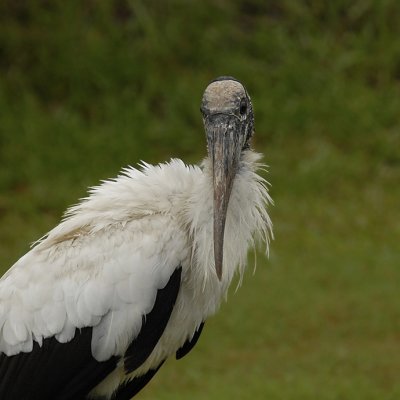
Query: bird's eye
point(243, 107)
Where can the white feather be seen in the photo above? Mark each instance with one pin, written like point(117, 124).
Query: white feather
point(104, 263)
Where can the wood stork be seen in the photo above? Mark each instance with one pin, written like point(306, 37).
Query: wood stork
point(129, 276)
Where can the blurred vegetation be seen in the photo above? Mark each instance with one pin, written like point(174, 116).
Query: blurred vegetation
point(87, 87)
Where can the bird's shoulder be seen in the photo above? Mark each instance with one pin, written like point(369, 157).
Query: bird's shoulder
point(82, 275)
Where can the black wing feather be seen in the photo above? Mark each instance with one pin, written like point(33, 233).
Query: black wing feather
point(131, 388)
point(68, 371)
point(54, 370)
point(153, 324)
point(189, 344)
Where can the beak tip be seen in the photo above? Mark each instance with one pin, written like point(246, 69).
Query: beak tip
point(219, 274)
point(218, 267)
point(218, 262)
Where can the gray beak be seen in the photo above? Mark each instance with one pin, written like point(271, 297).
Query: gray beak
point(223, 137)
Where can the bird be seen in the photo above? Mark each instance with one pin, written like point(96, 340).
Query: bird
point(132, 272)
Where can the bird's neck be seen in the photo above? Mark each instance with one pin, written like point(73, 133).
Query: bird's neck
point(246, 219)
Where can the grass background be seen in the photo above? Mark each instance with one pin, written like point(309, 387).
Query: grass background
point(87, 87)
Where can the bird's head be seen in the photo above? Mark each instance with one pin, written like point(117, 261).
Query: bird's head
point(229, 125)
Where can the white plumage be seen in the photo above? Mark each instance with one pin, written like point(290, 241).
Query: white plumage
point(104, 264)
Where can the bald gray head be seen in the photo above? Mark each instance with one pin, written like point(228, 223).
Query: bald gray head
point(229, 125)
point(227, 96)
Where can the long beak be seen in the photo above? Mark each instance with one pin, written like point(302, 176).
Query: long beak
point(223, 137)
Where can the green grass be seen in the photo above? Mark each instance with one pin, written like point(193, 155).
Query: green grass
point(86, 89)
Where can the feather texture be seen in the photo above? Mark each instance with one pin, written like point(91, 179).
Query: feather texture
point(103, 265)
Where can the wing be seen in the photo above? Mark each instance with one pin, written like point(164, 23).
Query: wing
point(189, 344)
point(153, 324)
point(70, 309)
point(65, 371)
point(54, 370)
point(131, 388)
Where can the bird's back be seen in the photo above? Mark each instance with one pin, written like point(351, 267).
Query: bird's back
point(101, 268)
